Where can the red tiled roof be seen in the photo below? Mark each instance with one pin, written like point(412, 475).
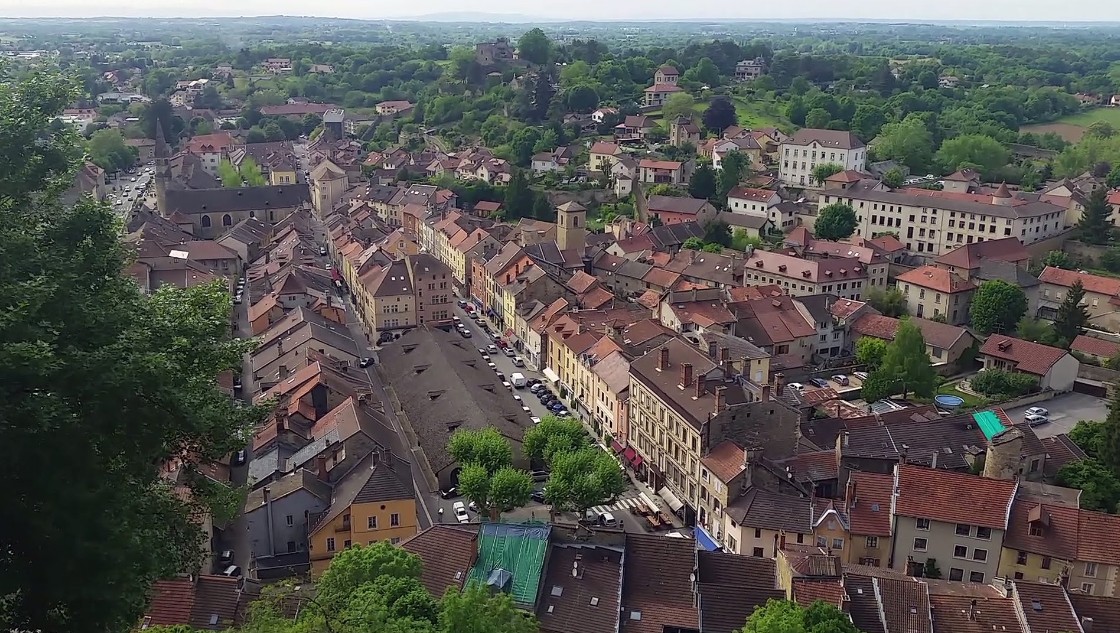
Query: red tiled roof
point(172, 601)
point(939, 279)
point(883, 327)
point(989, 614)
point(649, 163)
point(848, 175)
point(806, 591)
point(447, 553)
point(1094, 346)
point(1059, 526)
point(1027, 356)
point(952, 497)
point(845, 308)
point(725, 460)
point(603, 147)
point(750, 193)
point(1008, 249)
point(1092, 283)
point(1045, 607)
point(1096, 534)
point(869, 511)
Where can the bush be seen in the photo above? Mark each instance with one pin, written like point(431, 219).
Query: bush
point(996, 383)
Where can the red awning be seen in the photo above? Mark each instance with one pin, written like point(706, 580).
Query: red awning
point(637, 461)
point(509, 334)
point(630, 453)
point(618, 448)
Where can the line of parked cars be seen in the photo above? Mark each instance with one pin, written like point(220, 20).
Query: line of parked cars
point(821, 383)
point(1036, 416)
point(547, 398)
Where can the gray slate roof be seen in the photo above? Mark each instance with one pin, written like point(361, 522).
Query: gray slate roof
point(196, 201)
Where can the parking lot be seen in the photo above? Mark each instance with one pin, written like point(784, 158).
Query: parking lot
point(1065, 410)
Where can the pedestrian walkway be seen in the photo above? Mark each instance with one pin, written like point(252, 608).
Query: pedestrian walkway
point(624, 503)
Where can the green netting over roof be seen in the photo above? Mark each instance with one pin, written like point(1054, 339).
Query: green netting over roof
point(989, 423)
point(511, 559)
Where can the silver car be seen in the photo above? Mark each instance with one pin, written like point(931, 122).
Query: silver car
point(1036, 420)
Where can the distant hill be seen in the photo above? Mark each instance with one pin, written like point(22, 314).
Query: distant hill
point(477, 16)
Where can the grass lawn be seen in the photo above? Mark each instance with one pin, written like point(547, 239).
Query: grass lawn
point(1089, 117)
point(752, 113)
point(970, 400)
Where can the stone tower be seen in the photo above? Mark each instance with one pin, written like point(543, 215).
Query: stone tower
point(1004, 457)
point(571, 229)
point(163, 169)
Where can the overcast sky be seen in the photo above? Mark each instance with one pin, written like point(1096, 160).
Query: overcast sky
point(1006, 10)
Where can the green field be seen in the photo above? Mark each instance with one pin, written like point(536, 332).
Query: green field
point(752, 114)
point(1089, 117)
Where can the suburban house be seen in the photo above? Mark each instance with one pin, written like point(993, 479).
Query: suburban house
point(1055, 368)
point(555, 160)
point(955, 519)
point(393, 108)
point(675, 210)
point(945, 343)
point(809, 148)
point(683, 131)
point(602, 156)
point(634, 128)
point(1101, 301)
point(211, 148)
point(670, 172)
point(749, 69)
point(747, 145)
point(757, 202)
point(1096, 348)
point(931, 291)
point(276, 515)
point(664, 86)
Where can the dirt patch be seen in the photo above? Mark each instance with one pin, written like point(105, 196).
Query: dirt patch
point(1068, 131)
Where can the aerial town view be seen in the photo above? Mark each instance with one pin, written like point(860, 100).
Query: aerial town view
point(642, 322)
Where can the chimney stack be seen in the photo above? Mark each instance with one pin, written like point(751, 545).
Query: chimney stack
point(720, 404)
point(845, 435)
point(701, 387)
point(281, 419)
point(972, 610)
point(902, 454)
point(746, 459)
point(663, 360)
point(283, 372)
point(686, 374)
point(321, 467)
point(1086, 623)
point(850, 492)
point(779, 383)
point(712, 350)
point(766, 393)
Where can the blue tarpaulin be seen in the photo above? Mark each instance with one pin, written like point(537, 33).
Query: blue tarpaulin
point(705, 540)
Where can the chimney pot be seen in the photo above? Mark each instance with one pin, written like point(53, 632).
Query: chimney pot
point(701, 387)
point(720, 404)
point(663, 361)
point(686, 374)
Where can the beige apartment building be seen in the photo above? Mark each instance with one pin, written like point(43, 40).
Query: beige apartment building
point(1101, 301)
point(845, 277)
point(932, 292)
point(955, 519)
point(809, 148)
point(405, 293)
point(931, 223)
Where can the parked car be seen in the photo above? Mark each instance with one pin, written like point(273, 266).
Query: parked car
point(561, 412)
point(493, 349)
point(537, 495)
point(796, 386)
point(556, 407)
point(532, 382)
point(535, 387)
point(461, 303)
point(460, 511)
point(505, 383)
point(474, 316)
point(492, 366)
point(486, 357)
point(1036, 420)
point(232, 571)
point(508, 351)
point(517, 362)
point(1038, 411)
point(819, 382)
point(840, 379)
point(535, 420)
point(464, 332)
point(862, 375)
point(365, 362)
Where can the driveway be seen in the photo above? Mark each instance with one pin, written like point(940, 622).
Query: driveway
point(1066, 410)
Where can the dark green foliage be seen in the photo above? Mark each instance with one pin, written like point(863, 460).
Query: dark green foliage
point(997, 306)
point(996, 383)
point(836, 222)
point(1072, 317)
point(1094, 225)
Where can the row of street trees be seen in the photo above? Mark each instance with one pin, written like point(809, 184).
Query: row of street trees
point(580, 474)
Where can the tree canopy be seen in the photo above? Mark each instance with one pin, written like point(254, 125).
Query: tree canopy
point(997, 306)
point(720, 115)
point(487, 475)
point(108, 151)
point(908, 141)
point(836, 222)
point(786, 616)
point(905, 367)
point(100, 381)
point(972, 151)
point(1072, 316)
point(1094, 225)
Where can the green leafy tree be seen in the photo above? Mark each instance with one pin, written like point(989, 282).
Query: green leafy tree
point(693, 244)
point(100, 378)
point(733, 169)
point(908, 141)
point(1109, 449)
point(824, 170)
point(817, 118)
point(977, 151)
point(582, 99)
point(1094, 224)
point(905, 367)
point(1099, 485)
point(228, 174)
point(836, 222)
point(678, 105)
point(358, 565)
point(997, 306)
point(1072, 316)
point(519, 198)
point(487, 476)
point(785, 616)
point(998, 383)
point(1089, 435)
point(1113, 178)
point(893, 178)
point(583, 478)
point(1034, 330)
point(552, 436)
point(1058, 259)
point(477, 610)
point(931, 570)
point(251, 173)
point(720, 115)
point(890, 302)
point(870, 351)
point(1100, 129)
point(535, 47)
point(108, 151)
point(703, 183)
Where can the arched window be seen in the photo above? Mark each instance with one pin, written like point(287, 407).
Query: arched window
point(227, 220)
point(205, 221)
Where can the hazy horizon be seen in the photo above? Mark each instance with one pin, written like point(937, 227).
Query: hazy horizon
point(589, 10)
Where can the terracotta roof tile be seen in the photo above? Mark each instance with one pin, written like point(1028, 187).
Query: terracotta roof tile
point(1104, 610)
point(905, 605)
point(1096, 284)
point(216, 602)
point(1056, 527)
point(951, 613)
point(1096, 540)
point(1026, 356)
point(1008, 249)
point(953, 497)
point(725, 461)
point(1095, 346)
point(587, 603)
point(936, 334)
point(1045, 607)
point(447, 552)
point(656, 589)
point(806, 591)
point(731, 587)
point(869, 511)
point(938, 279)
point(172, 601)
